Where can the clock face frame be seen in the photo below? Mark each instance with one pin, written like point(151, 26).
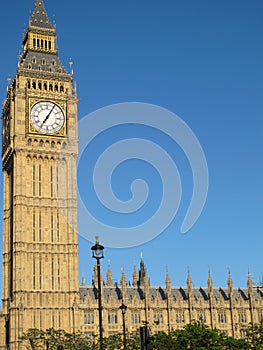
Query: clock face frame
point(47, 117)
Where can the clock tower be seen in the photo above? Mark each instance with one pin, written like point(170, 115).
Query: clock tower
point(39, 151)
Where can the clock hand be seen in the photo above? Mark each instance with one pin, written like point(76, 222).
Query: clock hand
point(48, 115)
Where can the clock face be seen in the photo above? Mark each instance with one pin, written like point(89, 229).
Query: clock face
point(47, 117)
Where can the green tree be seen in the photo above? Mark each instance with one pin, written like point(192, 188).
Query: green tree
point(52, 339)
point(32, 338)
point(197, 336)
point(115, 341)
point(254, 335)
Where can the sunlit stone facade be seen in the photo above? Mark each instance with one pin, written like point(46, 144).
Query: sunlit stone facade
point(40, 240)
point(169, 308)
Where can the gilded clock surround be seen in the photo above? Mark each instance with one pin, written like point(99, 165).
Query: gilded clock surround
point(62, 132)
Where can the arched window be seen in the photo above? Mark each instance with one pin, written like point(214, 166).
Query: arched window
point(50, 87)
point(39, 85)
point(34, 85)
point(56, 87)
point(28, 84)
point(34, 42)
point(61, 88)
point(45, 86)
point(49, 45)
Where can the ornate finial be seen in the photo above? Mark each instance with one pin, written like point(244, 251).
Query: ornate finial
point(71, 66)
point(167, 279)
point(8, 82)
point(109, 281)
point(54, 21)
point(75, 88)
point(189, 279)
point(123, 277)
point(83, 282)
point(135, 276)
point(141, 255)
point(249, 281)
point(229, 281)
point(209, 281)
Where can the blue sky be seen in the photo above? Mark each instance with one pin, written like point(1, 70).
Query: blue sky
point(202, 60)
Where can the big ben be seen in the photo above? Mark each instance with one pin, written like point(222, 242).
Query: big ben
point(39, 151)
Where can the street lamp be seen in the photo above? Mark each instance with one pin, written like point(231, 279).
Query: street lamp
point(97, 253)
point(123, 311)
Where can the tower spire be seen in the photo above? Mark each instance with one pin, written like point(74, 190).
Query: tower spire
point(39, 17)
point(109, 282)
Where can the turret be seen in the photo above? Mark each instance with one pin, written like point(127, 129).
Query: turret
point(109, 281)
point(230, 284)
point(250, 297)
point(190, 294)
point(168, 282)
point(211, 298)
point(123, 284)
point(189, 283)
point(210, 284)
point(135, 277)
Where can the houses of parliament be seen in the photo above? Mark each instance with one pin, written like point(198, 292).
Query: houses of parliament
point(40, 239)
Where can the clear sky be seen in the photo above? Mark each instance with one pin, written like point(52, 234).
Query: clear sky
point(202, 60)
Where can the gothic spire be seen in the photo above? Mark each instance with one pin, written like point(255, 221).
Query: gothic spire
point(189, 282)
point(39, 17)
point(249, 283)
point(135, 276)
point(210, 283)
point(109, 282)
point(167, 279)
point(230, 281)
point(123, 278)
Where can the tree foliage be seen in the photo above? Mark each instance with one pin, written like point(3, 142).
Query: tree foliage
point(53, 339)
point(254, 335)
point(194, 336)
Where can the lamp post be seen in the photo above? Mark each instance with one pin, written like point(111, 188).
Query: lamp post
point(97, 253)
point(123, 311)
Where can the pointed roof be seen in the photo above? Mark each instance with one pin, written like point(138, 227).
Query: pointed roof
point(210, 282)
point(39, 17)
point(167, 279)
point(249, 282)
point(135, 276)
point(109, 276)
point(229, 280)
point(123, 277)
point(189, 280)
